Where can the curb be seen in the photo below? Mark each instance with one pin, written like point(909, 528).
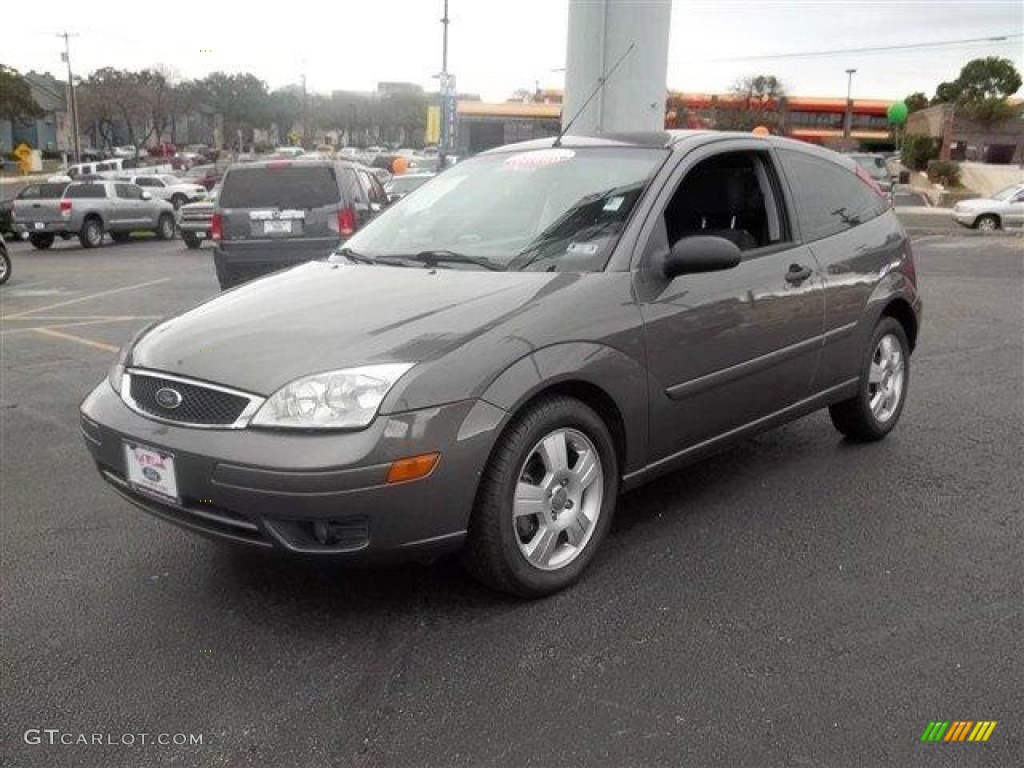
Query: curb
point(969, 233)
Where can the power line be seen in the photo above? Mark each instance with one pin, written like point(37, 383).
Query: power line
point(876, 49)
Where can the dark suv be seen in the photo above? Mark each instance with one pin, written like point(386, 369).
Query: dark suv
point(279, 213)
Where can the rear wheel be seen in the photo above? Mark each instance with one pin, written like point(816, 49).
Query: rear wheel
point(873, 412)
point(545, 501)
point(987, 223)
point(165, 227)
point(5, 267)
point(42, 242)
point(91, 235)
point(191, 241)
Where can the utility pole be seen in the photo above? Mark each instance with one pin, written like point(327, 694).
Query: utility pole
point(305, 108)
point(848, 120)
point(72, 99)
point(446, 95)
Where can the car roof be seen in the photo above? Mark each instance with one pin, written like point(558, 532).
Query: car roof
point(298, 162)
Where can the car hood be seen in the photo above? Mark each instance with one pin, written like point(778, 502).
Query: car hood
point(321, 317)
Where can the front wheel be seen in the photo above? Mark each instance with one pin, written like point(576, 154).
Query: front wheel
point(5, 267)
point(872, 413)
point(987, 223)
point(545, 501)
point(91, 235)
point(165, 227)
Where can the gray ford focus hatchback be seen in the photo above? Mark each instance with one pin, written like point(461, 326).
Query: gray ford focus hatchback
point(486, 365)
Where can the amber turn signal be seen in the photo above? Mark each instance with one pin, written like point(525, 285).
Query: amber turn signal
point(412, 468)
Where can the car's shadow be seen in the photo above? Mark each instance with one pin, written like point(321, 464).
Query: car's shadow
point(301, 587)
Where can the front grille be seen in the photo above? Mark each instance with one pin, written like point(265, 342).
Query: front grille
point(199, 404)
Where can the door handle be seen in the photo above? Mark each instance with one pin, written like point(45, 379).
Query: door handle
point(797, 274)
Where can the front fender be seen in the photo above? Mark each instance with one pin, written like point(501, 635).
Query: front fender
point(621, 378)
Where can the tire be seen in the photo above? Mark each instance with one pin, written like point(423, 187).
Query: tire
point(987, 223)
point(91, 235)
point(177, 201)
point(165, 227)
point(191, 241)
point(5, 267)
point(863, 418)
point(42, 242)
point(521, 477)
point(120, 237)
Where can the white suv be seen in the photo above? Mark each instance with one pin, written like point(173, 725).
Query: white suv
point(176, 191)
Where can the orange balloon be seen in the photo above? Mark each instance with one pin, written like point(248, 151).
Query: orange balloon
point(400, 165)
point(761, 131)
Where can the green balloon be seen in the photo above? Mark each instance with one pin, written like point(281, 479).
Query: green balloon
point(897, 113)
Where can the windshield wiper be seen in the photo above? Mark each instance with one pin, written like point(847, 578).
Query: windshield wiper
point(441, 256)
point(361, 258)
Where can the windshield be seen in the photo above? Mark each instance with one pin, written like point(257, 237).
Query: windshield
point(1009, 192)
point(287, 186)
point(556, 209)
point(406, 184)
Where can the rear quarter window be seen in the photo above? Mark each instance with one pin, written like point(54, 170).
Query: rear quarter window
point(291, 186)
point(86, 191)
point(829, 197)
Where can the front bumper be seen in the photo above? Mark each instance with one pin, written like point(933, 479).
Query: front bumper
point(267, 489)
point(965, 218)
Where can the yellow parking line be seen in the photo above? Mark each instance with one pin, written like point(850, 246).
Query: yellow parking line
point(102, 318)
point(79, 339)
point(55, 325)
point(85, 298)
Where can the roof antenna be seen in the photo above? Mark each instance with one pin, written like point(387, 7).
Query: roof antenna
point(600, 84)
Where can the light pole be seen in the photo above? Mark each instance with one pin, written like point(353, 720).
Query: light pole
point(76, 142)
point(446, 94)
point(848, 119)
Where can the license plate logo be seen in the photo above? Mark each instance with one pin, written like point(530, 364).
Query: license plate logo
point(152, 470)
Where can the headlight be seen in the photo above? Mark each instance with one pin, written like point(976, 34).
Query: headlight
point(116, 371)
point(345, 399)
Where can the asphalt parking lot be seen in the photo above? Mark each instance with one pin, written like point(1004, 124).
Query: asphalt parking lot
point(796, 601)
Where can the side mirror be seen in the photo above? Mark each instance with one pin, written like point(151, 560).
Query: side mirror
point(700, 253)
point(147, 195)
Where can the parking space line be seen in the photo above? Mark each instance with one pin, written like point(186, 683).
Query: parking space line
point(78, 339)
point(85, 298)
point(55, 325)
point(90, 318)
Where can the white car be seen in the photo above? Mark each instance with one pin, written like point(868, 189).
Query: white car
point(176, 191)
point(1003, 209)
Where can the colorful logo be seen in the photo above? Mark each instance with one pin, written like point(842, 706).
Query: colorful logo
point(958, 730)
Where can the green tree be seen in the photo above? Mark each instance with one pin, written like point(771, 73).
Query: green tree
point(16, 100)
point(916, 101)
point(243, 101)
point(981, 89)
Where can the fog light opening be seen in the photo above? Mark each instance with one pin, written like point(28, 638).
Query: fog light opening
point(412, 468)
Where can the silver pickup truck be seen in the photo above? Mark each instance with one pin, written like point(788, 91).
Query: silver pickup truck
point(90, 209)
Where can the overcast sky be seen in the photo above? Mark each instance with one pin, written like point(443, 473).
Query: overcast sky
point(497, 47)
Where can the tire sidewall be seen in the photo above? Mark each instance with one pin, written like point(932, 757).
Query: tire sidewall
point(565, 414)
point(92, 227)
point(165, 227)
point(887, 326)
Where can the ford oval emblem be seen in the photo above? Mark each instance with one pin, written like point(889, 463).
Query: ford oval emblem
point(151, 474)
point(168, 398)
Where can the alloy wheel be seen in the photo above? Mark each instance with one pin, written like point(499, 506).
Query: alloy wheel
point(558, 499)
point(886, 378)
